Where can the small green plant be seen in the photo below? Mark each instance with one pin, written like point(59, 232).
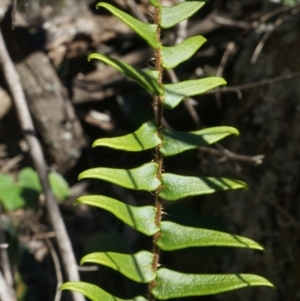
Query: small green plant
point(24, 192)
point(144, 266)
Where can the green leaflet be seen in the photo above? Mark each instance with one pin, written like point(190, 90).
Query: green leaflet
point(154, 3)
point(175, 142)
point(153, 74)
point(175, 93)
point(94, 292)
point(29, 178)
point(174, 55)
point(144, 79)
point(175, 187)
point(174, 237)
point(140, 178)
point(164, 283)
point(171, 284)
point(139, 218)
point(137, 267)
point(144, 30)
point(143, 138)
point(24, 192)
point(171, 16)
point(10, 194)
point(59, 185)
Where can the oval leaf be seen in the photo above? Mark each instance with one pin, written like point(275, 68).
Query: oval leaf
point(94, 292)
point(186, 237)
point(140, 178)
point(144, 79)
point(171, 284)
point(144, 30)
point(10, 193)
point(137, 267)
point(175, 93)
point(173, 56)
point(171, 16)
point(141, 219)
point(175, 187)
point(28, 178)
point(175, 142)
point(142, 139)
point(59, 186)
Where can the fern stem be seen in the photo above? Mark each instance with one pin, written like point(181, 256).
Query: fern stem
point(158, 112)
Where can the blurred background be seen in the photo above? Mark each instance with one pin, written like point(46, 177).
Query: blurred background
point(254, 45)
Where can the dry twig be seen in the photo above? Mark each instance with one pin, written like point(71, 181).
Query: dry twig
point(11, 163)
point(228, 155)
point(136, 11)
point(264, 39)
point(35, 150)
point(59, 276)
point(4, 259)
point(6, 294)
point(230, 49)
point(264, 82)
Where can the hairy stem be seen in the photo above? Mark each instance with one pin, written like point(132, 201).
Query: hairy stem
point(158, 112)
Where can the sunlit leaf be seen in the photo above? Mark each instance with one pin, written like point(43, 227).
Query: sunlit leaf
point(143, 78)
point(141, 219)
point(171, 284)
point(174, 236)
point(143, 138)
point(174, 55)
point(28, 178)
point(154, 3)
point(173, 15)
point(175, 187)
point(175, 142)
point(140, 178)
point(10, 194)
point(59, 186)
point(175, 93)
point(137, 267)
point(94, 292)
point(144, 30)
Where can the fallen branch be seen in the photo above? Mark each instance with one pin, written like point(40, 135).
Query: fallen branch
point(264, 82)
point(4, 259)
point(6, 294)
point(228, 155)
point(58, 272)
point(10, 164)
point(35, 150)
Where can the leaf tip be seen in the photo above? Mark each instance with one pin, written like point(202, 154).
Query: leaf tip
point(95, 143)
point(64, 286)
point(76, 202)
point(81, 176)
point(259, 247)
point(235, 132)
point(100, 4)
point(91, 56)
point(82, 261)
point(242, 185)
